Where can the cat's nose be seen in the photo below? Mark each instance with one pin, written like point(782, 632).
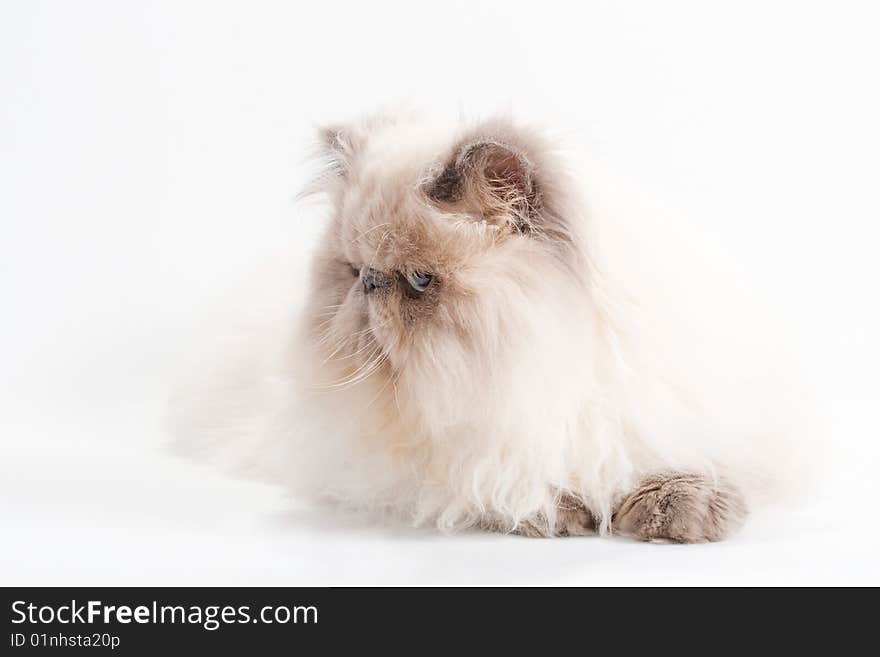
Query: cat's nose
point(373, 279)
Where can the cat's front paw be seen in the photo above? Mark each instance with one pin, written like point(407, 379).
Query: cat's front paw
point(571, 518)
point(681, 508)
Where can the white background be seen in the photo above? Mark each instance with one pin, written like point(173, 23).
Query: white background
point(148, 161)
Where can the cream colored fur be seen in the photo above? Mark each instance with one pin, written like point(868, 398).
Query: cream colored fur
point(560, 353)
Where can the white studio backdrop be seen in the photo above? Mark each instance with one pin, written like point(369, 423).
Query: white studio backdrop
point(149, 157)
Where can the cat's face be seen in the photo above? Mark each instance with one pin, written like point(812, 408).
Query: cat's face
point(435, 250)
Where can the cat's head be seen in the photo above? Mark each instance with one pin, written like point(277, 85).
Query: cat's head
point(446, 252)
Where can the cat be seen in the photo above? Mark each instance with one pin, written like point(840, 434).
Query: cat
point(466, 356)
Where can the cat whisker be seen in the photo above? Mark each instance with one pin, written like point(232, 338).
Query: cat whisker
point(359, 351)
point(347, 339)
point(367, 232)
point(392, 380)
point(376, 252)
point(362, 373)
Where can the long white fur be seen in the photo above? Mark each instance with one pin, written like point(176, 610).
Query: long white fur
point(587, 380)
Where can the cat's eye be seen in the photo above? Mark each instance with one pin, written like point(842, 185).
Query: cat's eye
point(419, 281)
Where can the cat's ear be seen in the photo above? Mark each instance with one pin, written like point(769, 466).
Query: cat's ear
point(341, 145)
point(338, 148)
point(334, 153)
point(491, 176)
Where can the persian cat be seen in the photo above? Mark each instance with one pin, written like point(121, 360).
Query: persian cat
point(470, 354)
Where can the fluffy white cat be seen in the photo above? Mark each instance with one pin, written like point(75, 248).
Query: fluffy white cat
point(484, 344)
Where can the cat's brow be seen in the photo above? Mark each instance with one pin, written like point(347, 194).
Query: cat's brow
point(368, 231)
point(379, 246)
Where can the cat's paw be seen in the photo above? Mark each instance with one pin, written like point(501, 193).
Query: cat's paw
point(681, 508)
point(572, 518)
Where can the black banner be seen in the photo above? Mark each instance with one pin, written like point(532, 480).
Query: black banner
point(130, 621)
